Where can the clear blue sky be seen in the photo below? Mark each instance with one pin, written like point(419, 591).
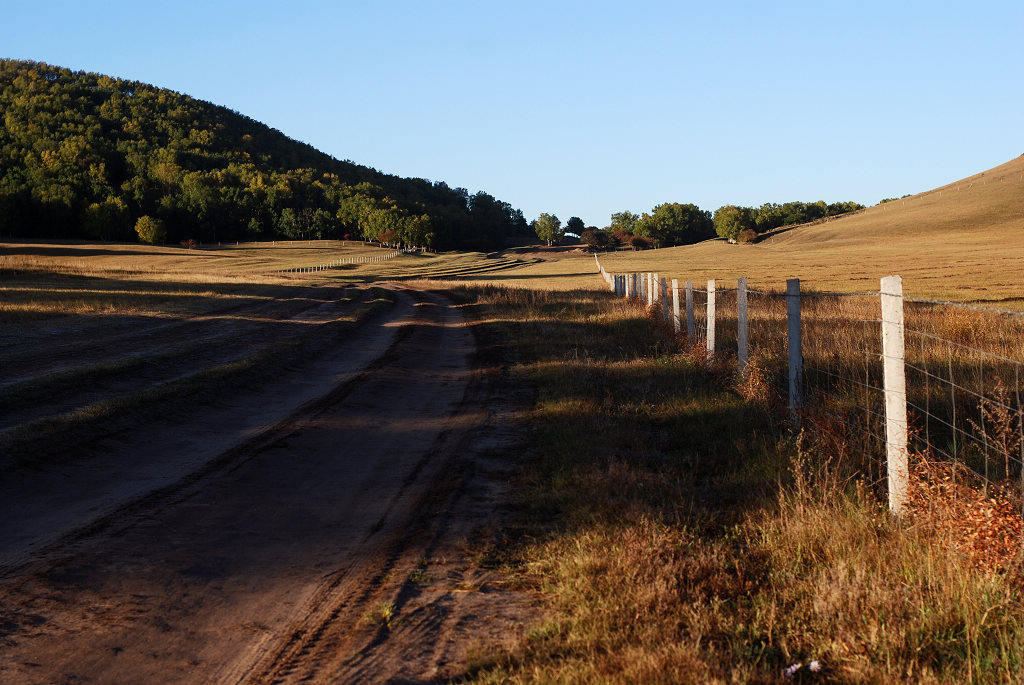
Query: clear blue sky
point(588, 108)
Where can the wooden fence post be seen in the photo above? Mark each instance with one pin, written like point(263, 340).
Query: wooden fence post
point(664, 300)
point(651, 279)
point(675, 306)
point(742, 342)
point(796, 356)
point(690, 327)
point(711, 319)
point(894, 375)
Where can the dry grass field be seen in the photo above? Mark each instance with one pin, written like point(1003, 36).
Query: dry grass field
point(746, 549)
point(961, 242)
point(675, 531)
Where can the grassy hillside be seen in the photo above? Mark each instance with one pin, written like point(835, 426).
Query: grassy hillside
point(963, 241)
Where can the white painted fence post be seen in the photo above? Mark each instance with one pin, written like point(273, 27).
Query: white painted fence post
point(664, 300)
point(796, 356)
point(894, 375)
point(690, 327)
point(711, 319)
point(650, 288)
point(742, 342)
point(613, 282)
point(675, 306)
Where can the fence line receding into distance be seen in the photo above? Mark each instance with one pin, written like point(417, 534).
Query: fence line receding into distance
point(902, 378)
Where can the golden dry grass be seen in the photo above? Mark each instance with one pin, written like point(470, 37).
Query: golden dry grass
point(677, 535)
point(247, 262)
point(657, 534)
point(963, 242)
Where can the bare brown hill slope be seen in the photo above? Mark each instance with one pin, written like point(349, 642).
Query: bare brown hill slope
point(962, 241)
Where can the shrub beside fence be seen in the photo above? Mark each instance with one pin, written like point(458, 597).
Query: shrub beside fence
point(900, 378)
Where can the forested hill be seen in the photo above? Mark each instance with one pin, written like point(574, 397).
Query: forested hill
point(87, 156)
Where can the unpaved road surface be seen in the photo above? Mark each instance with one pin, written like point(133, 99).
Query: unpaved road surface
point(324, 546)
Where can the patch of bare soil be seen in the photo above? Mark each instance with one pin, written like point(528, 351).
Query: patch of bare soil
point(327, 546)
point(69, 362)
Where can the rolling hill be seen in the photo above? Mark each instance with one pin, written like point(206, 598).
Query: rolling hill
point(961, 241)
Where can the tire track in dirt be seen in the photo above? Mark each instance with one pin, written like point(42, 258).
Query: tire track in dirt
point(190, 347)
point(77, 340)
point(43, 503)
point(261, 565)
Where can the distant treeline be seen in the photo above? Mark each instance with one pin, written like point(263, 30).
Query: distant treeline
point(672, 223)
point(89, 156)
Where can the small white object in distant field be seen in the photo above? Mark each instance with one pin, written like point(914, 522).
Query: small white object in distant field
point(792, 670)
point(814, 666)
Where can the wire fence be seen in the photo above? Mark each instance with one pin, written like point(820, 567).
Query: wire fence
point(344, 261)
point(908, 388)
point(327, 244)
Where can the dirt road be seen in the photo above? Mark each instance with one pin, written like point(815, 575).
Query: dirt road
point(323, 548)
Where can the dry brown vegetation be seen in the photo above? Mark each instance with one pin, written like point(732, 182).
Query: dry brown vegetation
point(963, 245)
point(679, 534)
point(671, 525)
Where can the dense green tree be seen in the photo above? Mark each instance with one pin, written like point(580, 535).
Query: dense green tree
point(624, 222)
point(416, 231)
point(730, 220)
point(771, 215)
point(548, 228)
point(150, 230)
point(575, 225)
point(108, 220)
point(672, 223)
point(594, 237)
